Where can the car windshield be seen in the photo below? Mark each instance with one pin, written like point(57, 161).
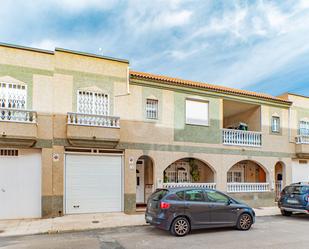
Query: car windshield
point(296, 190)
point(159, 194)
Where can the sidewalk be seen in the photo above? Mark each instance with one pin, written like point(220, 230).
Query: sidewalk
point(82, 222)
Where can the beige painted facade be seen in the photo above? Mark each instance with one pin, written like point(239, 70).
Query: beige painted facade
point(53, 79)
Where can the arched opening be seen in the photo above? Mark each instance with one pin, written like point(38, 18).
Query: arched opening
point(144, 179)
point(279, 178)
point(247, 176)
point(188, 170)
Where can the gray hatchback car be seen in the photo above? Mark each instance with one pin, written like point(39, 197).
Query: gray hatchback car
point(180, 210)
point(294, 199)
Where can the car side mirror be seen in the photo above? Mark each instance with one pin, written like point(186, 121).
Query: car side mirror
point(229, 202)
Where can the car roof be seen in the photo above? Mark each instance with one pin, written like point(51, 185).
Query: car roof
point(300, 184)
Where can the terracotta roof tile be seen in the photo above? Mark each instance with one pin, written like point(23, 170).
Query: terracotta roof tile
point(216, 88)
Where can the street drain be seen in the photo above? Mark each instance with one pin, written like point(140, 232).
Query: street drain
point(95, 221)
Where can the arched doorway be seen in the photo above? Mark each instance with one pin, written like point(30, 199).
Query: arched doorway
point(279, 177)
point(188, 170)
point(247, 176)
point(144, 179)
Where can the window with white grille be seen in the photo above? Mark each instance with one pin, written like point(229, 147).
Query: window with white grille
point(152, 109)
point(234, 176)
point(92, 103)
point(304, 128)
point(13, 96)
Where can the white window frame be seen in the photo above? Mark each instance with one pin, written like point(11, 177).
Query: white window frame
point(304, 127)
point(275, 127)
point(232, 175)
point(13, 92)
point(190, 121)
point(93, 108)
point(152, 109)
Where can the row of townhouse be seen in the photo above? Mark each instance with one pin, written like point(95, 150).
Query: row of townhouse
point(80, 133)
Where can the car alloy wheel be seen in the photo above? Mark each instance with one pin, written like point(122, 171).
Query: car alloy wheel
point(245, 222)
point(180, 227)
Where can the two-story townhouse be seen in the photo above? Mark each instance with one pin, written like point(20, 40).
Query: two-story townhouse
point(81, 134)
point(299, 135)
point(56, 124)
point(212, 136)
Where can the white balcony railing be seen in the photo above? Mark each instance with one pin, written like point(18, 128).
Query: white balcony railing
point(210, 185)
point(17, 115)
point(241, 138)
point(302, 139)
point(93, 120)
point(239, 187)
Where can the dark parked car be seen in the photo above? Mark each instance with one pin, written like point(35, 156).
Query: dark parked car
point(294, 198)
point(180, 210)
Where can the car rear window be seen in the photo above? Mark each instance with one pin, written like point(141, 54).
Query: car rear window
point(296, 190)
point(159, 194)
point(179, 196)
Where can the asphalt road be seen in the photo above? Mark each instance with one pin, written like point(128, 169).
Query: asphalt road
point(268, 232)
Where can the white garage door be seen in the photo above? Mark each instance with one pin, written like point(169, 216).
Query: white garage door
point(20, 184)
point(300, 172)
point(93, 183)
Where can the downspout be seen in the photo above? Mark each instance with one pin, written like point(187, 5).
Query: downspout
point(128, 80)
point(127, 84)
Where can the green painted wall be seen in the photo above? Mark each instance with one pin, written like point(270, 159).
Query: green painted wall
point(197, 149)
point(83, 79)
point(196, 133)
point(24, 74)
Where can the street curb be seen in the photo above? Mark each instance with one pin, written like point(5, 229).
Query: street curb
point(54, 232)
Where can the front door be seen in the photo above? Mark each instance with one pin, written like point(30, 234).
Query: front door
point(140, 194)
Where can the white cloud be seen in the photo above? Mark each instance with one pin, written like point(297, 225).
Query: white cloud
point(156, 16)
point(81, 5)
point(213, 41)
point(46, 44)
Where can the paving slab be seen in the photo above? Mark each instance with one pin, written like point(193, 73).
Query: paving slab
point(80, 222)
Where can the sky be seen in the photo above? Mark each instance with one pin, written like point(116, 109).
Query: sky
point(255, 45)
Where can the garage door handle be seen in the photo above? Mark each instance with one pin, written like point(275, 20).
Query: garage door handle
point(76, 206)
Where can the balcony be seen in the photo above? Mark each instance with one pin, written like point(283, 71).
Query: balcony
point(245, 187)
point(241, 138)
point(302, 146)
point(93, 130)
point(18, 127)
point(241, 124)
point(209, 185)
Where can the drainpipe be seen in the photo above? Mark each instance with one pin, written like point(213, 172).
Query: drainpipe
point(127, 84)
point(128, 80)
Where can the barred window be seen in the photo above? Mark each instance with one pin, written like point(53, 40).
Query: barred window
point(92, 103)
point(13, 96)
point(152, 109)
point(304, 128)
